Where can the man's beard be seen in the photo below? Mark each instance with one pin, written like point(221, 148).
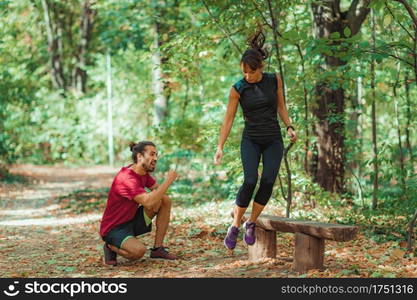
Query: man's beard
point(148, 168)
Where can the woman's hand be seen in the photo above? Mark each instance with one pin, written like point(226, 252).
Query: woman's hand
point(218, 156)
point(292, 135)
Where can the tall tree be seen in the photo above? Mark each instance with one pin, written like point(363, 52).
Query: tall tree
point(79, 76)
point(412, 53)
point(160, 104)
point(166, 20)
point(69, 41)
point(409, 116)
point(374, 133)
point(330, 22)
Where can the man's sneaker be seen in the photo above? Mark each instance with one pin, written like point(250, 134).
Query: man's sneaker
point(162, 253)
point(250, 233)
point(231, 237)
point(109, 256)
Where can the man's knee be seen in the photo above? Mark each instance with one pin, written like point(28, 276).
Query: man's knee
point(166, 201)
point(138, 253)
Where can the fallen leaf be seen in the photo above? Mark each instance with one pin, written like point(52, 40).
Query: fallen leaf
point(398, 253)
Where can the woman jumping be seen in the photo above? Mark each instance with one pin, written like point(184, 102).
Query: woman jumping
point(261, 97)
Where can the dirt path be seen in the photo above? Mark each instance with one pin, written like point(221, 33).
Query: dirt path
point(40, 236)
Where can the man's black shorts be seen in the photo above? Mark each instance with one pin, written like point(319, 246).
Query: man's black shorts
point(132, 228)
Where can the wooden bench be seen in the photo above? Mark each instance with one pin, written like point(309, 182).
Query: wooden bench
point(309, 239)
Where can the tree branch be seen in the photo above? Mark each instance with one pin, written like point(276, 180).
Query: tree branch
point(48, 24)
point(399, 23)
point(224, 30)
point(336, 7)
point(261, 13)
point(354, 19)
point(391, 55)
point(410, 11)
point(353, 6)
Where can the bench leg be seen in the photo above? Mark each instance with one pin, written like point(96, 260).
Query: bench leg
point(308, 253)
point(265, 245)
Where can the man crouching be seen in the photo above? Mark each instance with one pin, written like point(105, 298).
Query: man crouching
point(130, 209)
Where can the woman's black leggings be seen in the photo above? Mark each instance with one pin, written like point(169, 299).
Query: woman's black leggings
point(251, 150)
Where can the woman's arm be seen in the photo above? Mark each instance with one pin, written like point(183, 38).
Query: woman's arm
point(282, 108)
point(283, 112)
point(229, 117)
point(227, 123)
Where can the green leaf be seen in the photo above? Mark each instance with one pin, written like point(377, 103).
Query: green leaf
point(387, 20)
point(335, 35)
point(69, 269)
point(376, 275)
point(347, 32)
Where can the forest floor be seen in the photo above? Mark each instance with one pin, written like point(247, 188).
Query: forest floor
point(49, 228)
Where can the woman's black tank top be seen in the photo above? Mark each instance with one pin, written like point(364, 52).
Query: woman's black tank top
point(259, 104)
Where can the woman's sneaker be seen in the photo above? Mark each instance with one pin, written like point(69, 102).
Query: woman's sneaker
point(110, 257)
point(250, 233)
point(231, 237)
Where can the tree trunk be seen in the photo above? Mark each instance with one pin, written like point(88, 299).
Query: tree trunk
point(409, 117)
point(330, 102)
point(79, 72)
point(410, 232)
point(274, 26)
point(374, 134)
point(160, 104)
point(69, 56)
point(307, 153)
point(58, 79)
point(413, 18)
point(109, 110)
point(355, 129)
point(397, 121)
point(186, 98)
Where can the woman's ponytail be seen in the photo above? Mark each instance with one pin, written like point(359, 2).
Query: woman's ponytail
point(256, 54)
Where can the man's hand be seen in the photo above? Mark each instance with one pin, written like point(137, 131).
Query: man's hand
point(171, 176)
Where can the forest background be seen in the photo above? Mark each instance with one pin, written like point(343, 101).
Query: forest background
point(80, 79)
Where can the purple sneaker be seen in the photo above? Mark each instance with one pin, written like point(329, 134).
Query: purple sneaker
point(250, 233)
point(231, 237)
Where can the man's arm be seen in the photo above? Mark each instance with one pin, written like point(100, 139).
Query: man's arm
point(154, 187)
point(150, 199)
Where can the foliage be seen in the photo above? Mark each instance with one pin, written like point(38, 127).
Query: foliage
point(40, 125)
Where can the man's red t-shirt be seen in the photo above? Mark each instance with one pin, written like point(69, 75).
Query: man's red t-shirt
point(120, 206)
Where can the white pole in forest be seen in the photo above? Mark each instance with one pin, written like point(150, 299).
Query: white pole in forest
point(109, 110)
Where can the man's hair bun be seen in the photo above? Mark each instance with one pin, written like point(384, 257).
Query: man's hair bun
point(132, 145)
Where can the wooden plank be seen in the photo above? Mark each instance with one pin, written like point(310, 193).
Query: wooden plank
point(308, 253)
point(265, 245)
point(328, 231)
